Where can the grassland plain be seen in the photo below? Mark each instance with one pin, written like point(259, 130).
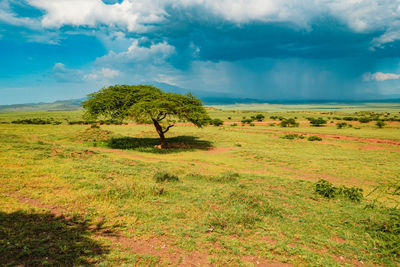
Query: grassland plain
point(75, 195)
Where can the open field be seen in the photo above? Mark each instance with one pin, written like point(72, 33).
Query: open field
point(75, 195)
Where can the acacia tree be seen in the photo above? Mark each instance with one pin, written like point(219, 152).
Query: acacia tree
point(146, 104)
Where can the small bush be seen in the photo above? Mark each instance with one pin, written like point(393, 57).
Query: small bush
point(380, 124)
point(234, 124)
point(364, 120)
point(248, 121)
point(216, 122)
point(325, 189)
point(349, 119)
point(259, 117)
point(289, 123)
point(317, 122)
point(161, 177)
point(293, 136)
point(341, 125)
point(314, 138)
point(328, 190)
point(252, 124)
point(36, 121)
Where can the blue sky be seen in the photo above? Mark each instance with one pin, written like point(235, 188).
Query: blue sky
point(270, 49)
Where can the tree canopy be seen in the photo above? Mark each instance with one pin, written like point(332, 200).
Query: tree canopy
point(146, 104)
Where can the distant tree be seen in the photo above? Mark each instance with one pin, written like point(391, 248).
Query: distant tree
point(317, 122)
point(364, 120)
point(146, 104)
point(216, 122)
point(380, 124)
point(289, 123)
point(259, 117)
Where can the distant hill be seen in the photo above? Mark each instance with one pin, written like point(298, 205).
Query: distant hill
point(75, 104)
point(64, 105)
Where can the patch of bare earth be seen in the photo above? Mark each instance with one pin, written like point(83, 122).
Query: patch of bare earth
point(220, 150)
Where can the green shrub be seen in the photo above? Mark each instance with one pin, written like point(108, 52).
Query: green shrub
point(349, 119)
point(216, 122)
point(259, 117)
point(36, 121)
point(293, 136)
point(328, 190)
point(161, 177)
point(234, 124)
point(380, 124)
point(314, 138)
point(248, 121)
point(353, 193)
point(364, 120)
point(325, 189)
point(341, 125)
point(317, 122)
point(289, 123)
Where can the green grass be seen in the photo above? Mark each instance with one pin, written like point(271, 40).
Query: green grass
point(237, 195)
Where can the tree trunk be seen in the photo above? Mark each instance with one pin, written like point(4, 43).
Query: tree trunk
point(160, 133)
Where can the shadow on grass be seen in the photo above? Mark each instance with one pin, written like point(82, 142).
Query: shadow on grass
point(175, 144)
point(42, 239)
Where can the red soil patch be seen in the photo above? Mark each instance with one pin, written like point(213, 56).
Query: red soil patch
point(338, 239)
point(220, 150)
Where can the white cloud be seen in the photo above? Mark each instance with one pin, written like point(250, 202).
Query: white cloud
point(132, 15)
point(65, 75)
point(102, 74)
point(154, 54)
point(6, 15)
point(380, 76)
point(136, 15)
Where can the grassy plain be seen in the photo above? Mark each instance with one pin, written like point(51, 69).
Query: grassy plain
point(75, 195)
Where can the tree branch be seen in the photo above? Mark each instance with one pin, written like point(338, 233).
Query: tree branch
point(166, 130)
point(161, 118)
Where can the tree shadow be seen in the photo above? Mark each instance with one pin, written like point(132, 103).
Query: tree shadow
point(43, 239)
point(175, 144)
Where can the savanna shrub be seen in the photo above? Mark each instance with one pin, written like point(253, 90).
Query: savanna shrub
point(341, 125)
point(314, 138)
point(216, 122)
point(380, 124)
point(328, 190)
point(244, 121)
point(292, 136)
point(325, 189)
point(259, 117)
point(364, 120)
point(161, 177)
point(317, 122)
point(289, 122)
point(353, 193)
